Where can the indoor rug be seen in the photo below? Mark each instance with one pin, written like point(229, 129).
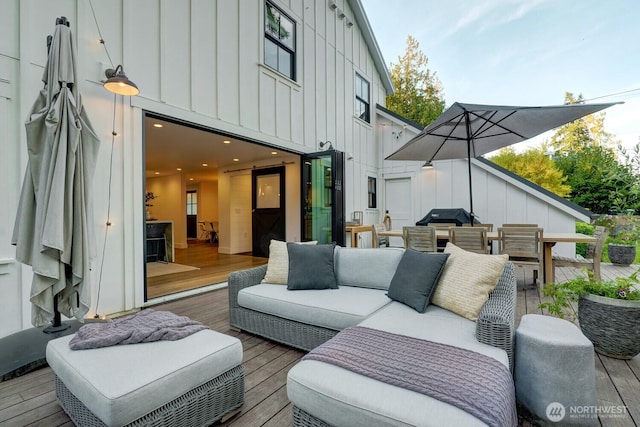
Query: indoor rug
point(160, 268)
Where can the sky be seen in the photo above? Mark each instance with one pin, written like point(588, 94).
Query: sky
point(523, 52)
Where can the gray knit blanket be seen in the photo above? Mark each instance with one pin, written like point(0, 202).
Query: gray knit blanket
point(473, 382)
point(146, 326)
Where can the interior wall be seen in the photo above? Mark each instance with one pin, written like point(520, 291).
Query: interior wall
point(170, 205)
point(208, 201)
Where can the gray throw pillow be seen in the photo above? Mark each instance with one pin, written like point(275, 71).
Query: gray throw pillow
point(311, 267)
point(416, 278)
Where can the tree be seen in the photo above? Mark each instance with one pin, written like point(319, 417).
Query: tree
point(418, 92)
point(584, 132)
point(536, 166)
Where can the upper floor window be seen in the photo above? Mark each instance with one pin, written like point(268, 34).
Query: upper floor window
point(362, 99)
point(279, 41)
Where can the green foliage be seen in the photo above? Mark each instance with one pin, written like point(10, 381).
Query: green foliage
point(418, 92)
point(586, 229)
point(563, 294)
point(626, 231)
point(535, 166)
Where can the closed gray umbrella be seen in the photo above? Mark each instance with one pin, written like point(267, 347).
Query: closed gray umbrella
point(54, 228)
point(471, 130)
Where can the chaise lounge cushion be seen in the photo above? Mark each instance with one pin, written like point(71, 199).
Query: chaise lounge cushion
point(416, 278)
point(311, 267)
point(467, 280)
point(120, 384)
point(334, 309)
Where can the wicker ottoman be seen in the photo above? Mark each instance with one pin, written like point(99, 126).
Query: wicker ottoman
point(555, 370)
point(194, 381)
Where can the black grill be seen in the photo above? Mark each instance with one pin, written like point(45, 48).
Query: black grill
point(458, 216)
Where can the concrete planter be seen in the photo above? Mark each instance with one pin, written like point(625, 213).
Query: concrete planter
point(621, 254)
point(611, 325)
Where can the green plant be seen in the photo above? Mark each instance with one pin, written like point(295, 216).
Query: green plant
point(627, 233)
point(563, 294)
point(587, 229)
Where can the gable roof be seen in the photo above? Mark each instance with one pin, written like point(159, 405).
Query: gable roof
point(363, 23)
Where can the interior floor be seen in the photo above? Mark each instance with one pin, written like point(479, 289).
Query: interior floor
point(213, 267)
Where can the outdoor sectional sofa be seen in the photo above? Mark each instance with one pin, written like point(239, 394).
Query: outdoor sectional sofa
point(324, 394)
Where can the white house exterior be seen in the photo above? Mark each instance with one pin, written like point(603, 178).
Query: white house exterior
point(203, 62)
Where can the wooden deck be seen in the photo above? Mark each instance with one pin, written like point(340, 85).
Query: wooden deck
point(29, 400)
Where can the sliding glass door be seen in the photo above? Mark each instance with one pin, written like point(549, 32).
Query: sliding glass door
point(323, 197)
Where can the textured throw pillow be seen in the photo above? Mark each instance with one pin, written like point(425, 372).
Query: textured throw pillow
point(278, 264)
point(467, 280)
point(311, 267)
point(416, 278)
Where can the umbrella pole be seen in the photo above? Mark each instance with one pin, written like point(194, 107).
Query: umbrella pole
point(468, 125)
point(56, 323)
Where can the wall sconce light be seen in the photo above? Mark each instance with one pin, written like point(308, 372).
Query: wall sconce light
point(118, 83)
point(427, 165)
point(326, 144)
point(332, 5)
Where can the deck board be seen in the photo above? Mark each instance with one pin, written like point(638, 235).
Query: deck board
point(29, 400)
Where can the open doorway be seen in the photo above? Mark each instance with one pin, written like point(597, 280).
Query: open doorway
point(198, 175)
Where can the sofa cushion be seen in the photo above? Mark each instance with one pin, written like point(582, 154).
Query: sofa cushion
point(467, 280)
point(278, 264)
point(367, 267)
point(334, 309)
point(311, 267)
point(416, 278)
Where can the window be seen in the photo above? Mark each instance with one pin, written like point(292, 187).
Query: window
point(192, 203)
point(373, 200)
point(362, 98)
point(279, 41)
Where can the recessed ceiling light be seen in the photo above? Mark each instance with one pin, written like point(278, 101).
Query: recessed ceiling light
point(236, 160)
point(190, 179)
point(157, 173)
point(178, 169)
point(226, 141)
point(205, 164)
point(157, 125)
point(274, 152)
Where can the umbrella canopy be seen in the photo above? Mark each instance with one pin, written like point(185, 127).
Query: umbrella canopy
point(471, 130)
point(54, 230)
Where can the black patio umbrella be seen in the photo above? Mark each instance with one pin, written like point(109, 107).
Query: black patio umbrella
point(471, 130)
point(54, 228)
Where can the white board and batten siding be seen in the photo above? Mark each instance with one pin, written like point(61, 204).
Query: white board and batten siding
point(198, 61)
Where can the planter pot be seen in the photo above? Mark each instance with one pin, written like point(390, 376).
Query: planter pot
point(621, 254)
point(611, 325)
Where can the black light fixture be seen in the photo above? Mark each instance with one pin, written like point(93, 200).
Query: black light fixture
point(427, 165)
point(118, 83)
point(327, 144)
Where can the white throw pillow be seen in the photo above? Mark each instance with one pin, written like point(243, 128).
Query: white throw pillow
point(278, 265)
point(467, 280)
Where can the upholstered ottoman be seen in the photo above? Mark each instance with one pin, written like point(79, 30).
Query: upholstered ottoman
point(192, 381)
point(555, 370)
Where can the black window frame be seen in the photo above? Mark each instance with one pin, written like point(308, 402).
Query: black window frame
point(269, 37)
point(360, 101)
point(372, 191)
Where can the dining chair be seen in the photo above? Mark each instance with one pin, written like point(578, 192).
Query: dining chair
point(520, 225)
point(488, 227)
point(420, 238)
point(204, 233)
point(591, 260)
point(472, 239)
point(524, 246)
point(378, 240)
point(442, 243)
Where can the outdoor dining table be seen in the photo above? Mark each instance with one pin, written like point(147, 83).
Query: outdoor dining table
point(549, 239)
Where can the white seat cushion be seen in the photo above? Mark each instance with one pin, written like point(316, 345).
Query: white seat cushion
point(328, 308)
point(119, 384)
